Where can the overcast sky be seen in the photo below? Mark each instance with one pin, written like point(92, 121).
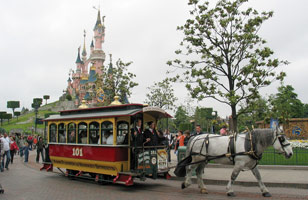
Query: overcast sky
point(39, 41)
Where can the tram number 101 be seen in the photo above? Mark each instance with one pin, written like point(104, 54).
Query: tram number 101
point(77, 152)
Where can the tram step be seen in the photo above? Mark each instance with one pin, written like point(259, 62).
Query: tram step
point(123, 179)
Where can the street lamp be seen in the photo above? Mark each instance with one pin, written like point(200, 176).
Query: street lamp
point(214, 113)
point(36, 104)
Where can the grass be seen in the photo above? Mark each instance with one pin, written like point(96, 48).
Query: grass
point(300, 157)
point(27, 118)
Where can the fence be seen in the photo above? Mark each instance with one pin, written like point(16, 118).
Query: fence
point(270, 157)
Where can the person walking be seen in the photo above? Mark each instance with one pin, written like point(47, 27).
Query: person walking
point(13, 149)
point(6, 147)
point(198, 131)
point(39, 150)
point(26, 151)
point(169, 142)
point(223, 131)
point(21, 145)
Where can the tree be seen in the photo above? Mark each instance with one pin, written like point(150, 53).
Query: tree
point(2, 116)
point(228, 60)
point(8, 116)
point(13, 105)
point(203, 117)
point(285, 104)
point(17, 114)
point(46, 97)
point(181, 117)
point(116, 81)
point(256, 110)
point(161, 95)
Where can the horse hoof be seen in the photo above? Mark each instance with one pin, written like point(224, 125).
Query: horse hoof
point(203, 191)
point(266, 194)
point(231, 194)
point(183, 185)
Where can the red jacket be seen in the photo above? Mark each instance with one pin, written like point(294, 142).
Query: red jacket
point(14, 146)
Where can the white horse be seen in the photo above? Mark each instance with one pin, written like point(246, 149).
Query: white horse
point(248, 149)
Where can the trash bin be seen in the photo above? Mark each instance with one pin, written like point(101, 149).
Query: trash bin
point(181, 153)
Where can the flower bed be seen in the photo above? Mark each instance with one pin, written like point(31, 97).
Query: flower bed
point(299, 144)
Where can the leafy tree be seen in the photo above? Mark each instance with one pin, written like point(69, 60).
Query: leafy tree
point(256, 110)
point(13, 105)
point(8, 116)
point(116, 81)
point(228, 60)
point(46, 97)
point(181, 117)
point(203, 117)
point(2, 116)
point(305, 110)
point(68, 97)
point(17, 114)
point(161, 95)
point(285, 104)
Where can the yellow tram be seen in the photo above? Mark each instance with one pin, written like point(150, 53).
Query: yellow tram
point(96, 142)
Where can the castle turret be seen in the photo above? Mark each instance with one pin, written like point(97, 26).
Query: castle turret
point(84, 52)
point(99, 31)
point(92, 46)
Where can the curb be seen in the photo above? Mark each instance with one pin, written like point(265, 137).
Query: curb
point(244, 183)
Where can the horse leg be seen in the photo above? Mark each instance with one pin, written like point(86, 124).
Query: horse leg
point(189, 170)
point(234, 175)
point(199, 173)
point(263, 189)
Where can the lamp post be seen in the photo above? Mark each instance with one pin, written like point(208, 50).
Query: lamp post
point(214, 113)
point(36, 104)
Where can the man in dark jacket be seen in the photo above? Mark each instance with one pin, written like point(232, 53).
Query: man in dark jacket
point(39, 150)
point(198, 131)
point(137, 135)
point(151, 135)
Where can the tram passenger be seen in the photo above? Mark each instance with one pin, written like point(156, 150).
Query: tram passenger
point(108, 138)
point(72, 137)
point(137, 135)
point(151, 135)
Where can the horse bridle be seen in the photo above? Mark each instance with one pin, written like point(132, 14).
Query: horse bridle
point(281, 139)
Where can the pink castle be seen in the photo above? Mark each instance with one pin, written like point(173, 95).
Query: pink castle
point(82, 82)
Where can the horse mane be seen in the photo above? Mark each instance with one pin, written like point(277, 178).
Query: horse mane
point(264, 137)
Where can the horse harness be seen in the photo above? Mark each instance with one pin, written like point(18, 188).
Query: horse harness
point(250, 149)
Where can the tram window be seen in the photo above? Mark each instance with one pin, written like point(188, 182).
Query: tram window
point(122, 135)
point(53, 133)
point(61, 133)
point(71, 138)
point(82, 133)
point(94, 133)
point(107, 133)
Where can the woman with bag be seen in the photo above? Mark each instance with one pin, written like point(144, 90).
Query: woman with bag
point(13, 148)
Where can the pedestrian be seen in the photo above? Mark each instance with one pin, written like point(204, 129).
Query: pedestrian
point(198, 131)
point(39, 150)
point(6, 148)
point(187, 137)
point(21, 142)
point(30, 142)
point(223, 131)
point(26, 151)
point(179, 140)
point(35, 142)
point(169, 142)
point(1, 151)
point(13, 149)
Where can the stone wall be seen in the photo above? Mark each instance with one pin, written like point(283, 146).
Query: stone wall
point(296, 128)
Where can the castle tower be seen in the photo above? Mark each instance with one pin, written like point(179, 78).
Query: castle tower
point(97, 55)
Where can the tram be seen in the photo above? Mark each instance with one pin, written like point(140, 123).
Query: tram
point(96, 143)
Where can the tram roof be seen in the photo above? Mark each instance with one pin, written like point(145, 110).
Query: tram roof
point(109, 111)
